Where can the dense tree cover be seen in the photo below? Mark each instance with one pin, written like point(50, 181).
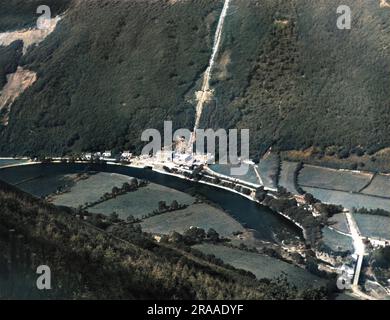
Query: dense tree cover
point(111, 70)
point(18, 14)
point(284, 71)
point(295, 80)
point(381, 258)
point(133, 186)
point(9, 59)
point(374, 212)
point(379, 261)
point(301, 214)
point(125, 264)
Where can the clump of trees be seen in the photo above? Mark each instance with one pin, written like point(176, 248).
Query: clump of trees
point(163, 208)
point(131, 186)
point(379, 260)
point(194, 235)
point(302, 214)
point(374, 212)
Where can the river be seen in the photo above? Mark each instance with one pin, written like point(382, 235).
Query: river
point(267, 225)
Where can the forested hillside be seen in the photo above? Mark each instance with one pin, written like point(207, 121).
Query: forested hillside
point(19, 14)
point(9, 60)
point(290, 75)
point(109, 71)
point(284, 70)
point(87, 263)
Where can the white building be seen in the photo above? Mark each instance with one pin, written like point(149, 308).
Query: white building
point(107, 154)
point(87, 156)
point(379, 243)
point(183, 158)
point(126, 155)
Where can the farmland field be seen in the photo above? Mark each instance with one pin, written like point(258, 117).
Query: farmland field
point(380, 186)
point(46, 185)
point(336, 241)
point(91, 189)
point(250, 176)
point(198, 215)
point(142, 201)
point(340, 222)
point(349, 200)
point(286, 178)
point(313, 176)
point(373, 226)
point(268, 170)
point(260, 265)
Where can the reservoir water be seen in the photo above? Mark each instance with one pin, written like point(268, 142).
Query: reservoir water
point(267, 225)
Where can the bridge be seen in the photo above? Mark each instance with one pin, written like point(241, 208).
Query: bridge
point(359, 252)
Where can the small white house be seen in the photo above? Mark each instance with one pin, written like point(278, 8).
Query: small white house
point(126, 155)
point(107, 154)
point(379, 243)
point(87, 156)
point(347, 270)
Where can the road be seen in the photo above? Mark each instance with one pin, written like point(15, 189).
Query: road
point(205, 93)
point(359, 252)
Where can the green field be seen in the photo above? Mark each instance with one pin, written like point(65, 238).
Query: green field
point(261, 266)
point(373, 226)
point(91, 189)
point(313, 176)
point(47, 185)
point(339, 222)
point(286, 178)
point(336, 241)
point(349, 200)
point(380, 186)
point(143, 201)
point(224, 169)
point(198, 215)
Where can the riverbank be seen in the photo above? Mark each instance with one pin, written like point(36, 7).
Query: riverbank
point(267, 224)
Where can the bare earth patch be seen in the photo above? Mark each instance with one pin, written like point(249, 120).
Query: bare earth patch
point(17, 83)
point(29, 36)
point(384, 4)
point(223, 63)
